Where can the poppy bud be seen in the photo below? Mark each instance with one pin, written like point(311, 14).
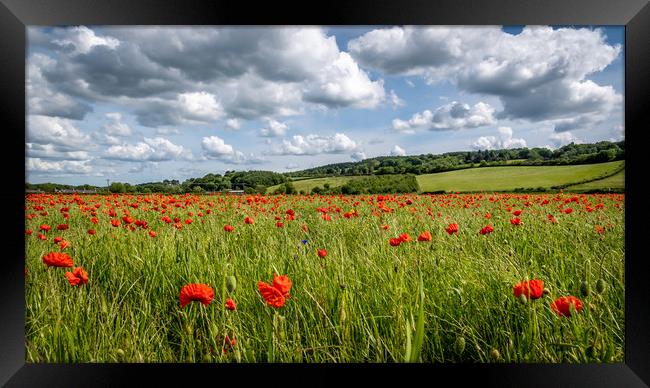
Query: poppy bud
point(523, 299)
point(459, 345)
point(495, 354)
point(600, 286)
point(342, 315)
point(584, 288)
point(231, 284)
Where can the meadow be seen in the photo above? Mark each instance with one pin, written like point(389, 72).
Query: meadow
point(367, 284)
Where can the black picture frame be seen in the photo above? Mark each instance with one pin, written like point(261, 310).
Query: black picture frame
point(15, 15)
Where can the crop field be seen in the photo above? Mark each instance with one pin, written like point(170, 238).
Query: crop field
point(325, 279)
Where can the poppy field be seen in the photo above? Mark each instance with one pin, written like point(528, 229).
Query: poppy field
point(306, 278)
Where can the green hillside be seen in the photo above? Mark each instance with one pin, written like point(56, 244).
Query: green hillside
point(510, 178)
point(614, 182)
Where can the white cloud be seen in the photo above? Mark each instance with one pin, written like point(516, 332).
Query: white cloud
point(215, 147)
point(200, 106)
point(152, 149)
point(274, 129)
point(50, 151)
point(37, 165)
point(395, 101)
point(233, 124)
point(505, 140)
point(115, 126)
point(57, 131)
point(452, 116)
point(315, 144)
point(563, 138)
point(538, 74)
point(397, 151)
point(359, 155)
point(82, 40)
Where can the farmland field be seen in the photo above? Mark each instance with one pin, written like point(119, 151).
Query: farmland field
point(616, 181)
point(361, 290)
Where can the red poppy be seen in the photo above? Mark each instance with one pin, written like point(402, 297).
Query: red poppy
point(425, 236)
point(533, 289)
point(271, 295)
point(42, 236)
point(322, 252)
point(395, 242)
point(228, 228)
point(486, 230)
point(515, 221)
point(452, 228)
point(599, 229)
point(405, 237)
point(562, 305)
point(91, 231)
point(64, 244)
point(488, 216)
point(385, 227)
point(305, 228)
point(248, 220)
point(62, 227)
point(45, 227)
point(516, 213)
point(28, 232)
point(279, 224)
point(196, 292)
point(152, 233)
point(58, 239)
point(77, 277)
point(57, 259)
point(567, 210)
point(115, 222)
point(230, 304)
point(282, 283)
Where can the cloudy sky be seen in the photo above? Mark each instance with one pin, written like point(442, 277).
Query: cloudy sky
point(142, 104)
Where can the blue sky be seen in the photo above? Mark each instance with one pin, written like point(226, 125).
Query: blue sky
point(142, 104)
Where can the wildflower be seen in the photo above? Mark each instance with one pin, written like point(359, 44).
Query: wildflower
point(62, 227)
point(303, 242)
point(425, 236)
point(395, 242)
point(599, 229)
point(405, 237)
point(279, 224)
point(567, 210)
point(248, 220)
point(515, 221)
point(228, 228)
point(64, 244)
point(230, 304)
point(282, 283)
point(532, 289)
point(322, 253)
point(115, 222)
point(42, 236)
point(486, 230)
point(562, 305)
point(196, 292)
point(385, 227)
point(91, 231)
point(152, 233)
point(57, 259)
point(452, 228)
point(28, 232)
point(45, 228)
point(77, 277)
point(271, 295)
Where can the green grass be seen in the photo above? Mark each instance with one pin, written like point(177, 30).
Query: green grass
point(364, 302)
point(510, 178)
point(616, 181)
point(307, 184)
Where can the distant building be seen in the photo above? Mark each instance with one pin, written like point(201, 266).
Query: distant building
point(235, 192)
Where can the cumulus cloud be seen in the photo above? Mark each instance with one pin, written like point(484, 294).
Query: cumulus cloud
point(151, 149)
point(52, 152)
point(215, 147)
point(274, 129)
point(563, 138)
point(37, 165)
point(451, 116)
point(315, 144)
point(115, 126)
point(397, 151)
point(233, 124)
point(359, 155)
point(202, 72)
point(504, 140)
point(55, 130)
point(538, 74)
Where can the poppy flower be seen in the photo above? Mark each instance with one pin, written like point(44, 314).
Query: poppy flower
point(57, 259)
point(567, 210)
point(562, 305)
point(515, 221)
point(405, 237)
point(516, 213)
point(282, 283)
point(42, 236)
point(91, 231)
point(228, 228)
point(58, 239)
point(271, 295)
point(62, 227)
point(322, 252)
point(279, 224)
point(248, 220)
point(152, 233)
point(599, 229)
point(196, 292)
point(533, 289)
point(385, 227)
point(230, 304)
point(77, 277)
point(45, 228)
point(425, 236)
point(488, 216)
point(94, 220)
point(115, 222)
point(305, 228)
point(64, 244)
point(452, 228)
point(395, 242)
point(28, 232)
point(486, 230)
